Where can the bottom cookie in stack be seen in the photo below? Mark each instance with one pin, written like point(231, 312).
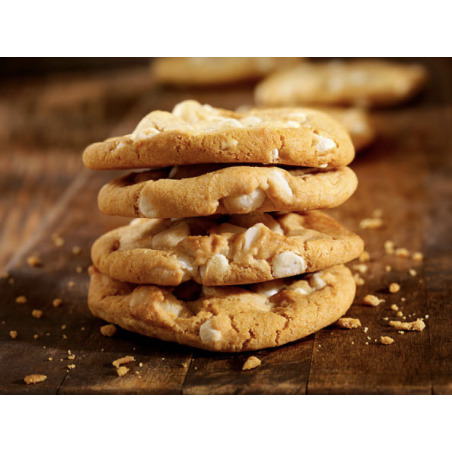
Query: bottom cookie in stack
point(226, 318)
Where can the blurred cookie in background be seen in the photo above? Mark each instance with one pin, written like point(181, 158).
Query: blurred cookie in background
point(208, 71)
point(364, 83)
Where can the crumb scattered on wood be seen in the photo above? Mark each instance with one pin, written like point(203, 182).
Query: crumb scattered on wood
point(358, 280)
point(402, 252)
point(418, 257)
point(21, 299)
point(251, 363)
point(413, 272)
point(57, 240)
point(388, 268)
point(34, 378)
point(400, 314)
point(372, 300)
point(394, 307)
point(34, 261)
point(57, 302)
point(108, 330)
point(36, 313)
point(348, 323)
point(122, 370)
point(389, 247)
point(394, 287)
point(418, 325)
point(364, 257)
point(125, 360)
point(386, 340)
point(371, 223)
point(71, 284)
point(13, 334)
point(76, 250)
point(79, 269)
point(362, 268)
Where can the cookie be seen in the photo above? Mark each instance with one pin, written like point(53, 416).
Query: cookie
point(364, 83)
point(195, 191)
point(236, 249)
point(357, 123)
point(199, 134)
point(207, 71)
point(229, 318)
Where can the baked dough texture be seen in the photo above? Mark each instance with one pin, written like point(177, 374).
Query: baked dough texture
point(226, 319)
point(364, 83)
point(207, 71)
point(224, 250)
point(200, 134)
point(194, 191)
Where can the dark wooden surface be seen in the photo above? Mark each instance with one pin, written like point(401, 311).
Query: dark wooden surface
point(45, 124)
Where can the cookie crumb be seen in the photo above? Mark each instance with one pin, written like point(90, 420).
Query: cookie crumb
point(21, 299)
point(11, 281)
point(412, 272)
point(386, 340)
point(388, 268)
point(348, 323)
point(13, 334)
point(362, 268)
point(372, 300)
point(418, 325)
point(50, 359)
point(418, 257)
point(251, 363)
point(366, 329)
point(364, 257)
point(34, 378)
point(394, 307)
point(389, 247)
point(71, 366)
point(401, 332)
point(125, 360)
point(57, 240)
point(427, 316)
point(79, 269)
point(76, 250)
point(358, 280)
point(34, 261)
point(141, 364)
point(36, 336)
point(36, 313)
point(64, 336)
point(400, 314)
point(57, 302)
point(402, 252)
point(63, 327)
point(71, 284)
point(108, 330)
point(371, 223)
point(122, 370)
point(394, 287)
point(71, 357)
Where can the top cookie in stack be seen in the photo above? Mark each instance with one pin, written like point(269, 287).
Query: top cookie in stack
point(155, 276)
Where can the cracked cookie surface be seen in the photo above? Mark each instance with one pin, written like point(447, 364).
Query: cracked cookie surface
point(200, 134)
point(363, 83)
point(226, 319)
point(194, 191)
point(225, 250)
point(203, 71)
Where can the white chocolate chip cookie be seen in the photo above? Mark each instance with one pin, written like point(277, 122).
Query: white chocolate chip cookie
point(201, 191)
point(236, 249)
point(206, 71)
point(200, 134)
point(226, 319)
point(361, 83)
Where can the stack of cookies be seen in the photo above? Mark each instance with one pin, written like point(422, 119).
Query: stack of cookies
point(229, 250)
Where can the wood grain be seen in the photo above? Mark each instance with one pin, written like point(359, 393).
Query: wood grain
point(406, 174)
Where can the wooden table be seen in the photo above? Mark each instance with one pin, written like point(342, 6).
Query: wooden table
point(45, 124)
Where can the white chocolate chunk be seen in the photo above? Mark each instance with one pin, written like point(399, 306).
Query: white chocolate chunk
point(217, 263)
point(245, 203)
point(171, 307)
point(288, 264)
point(171, 237)
point(278, 180)
point(209, 334)
point(323, 144)
point(316, 281)
point(185, 263)
point(146, 208)
point(251, 121)
point(270, 288)
point(300, 290)
point(251, 236)
point(275, 154)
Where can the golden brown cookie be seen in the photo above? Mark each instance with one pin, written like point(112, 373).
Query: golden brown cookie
point(206, 71)
point(199, 134)
point(231, 190)
point(226, 319)
point(361, 83)
point(225, 250)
